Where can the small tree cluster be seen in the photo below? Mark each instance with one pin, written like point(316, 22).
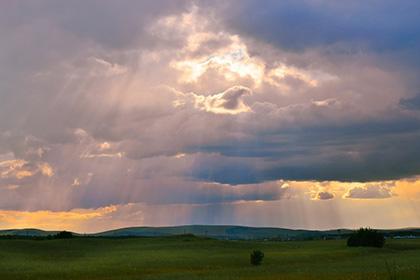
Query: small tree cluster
point(256, 257)
point(366, 237)
point(63, 235)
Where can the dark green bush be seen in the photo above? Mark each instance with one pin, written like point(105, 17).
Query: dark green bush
point(256, 257)
point(366, 237)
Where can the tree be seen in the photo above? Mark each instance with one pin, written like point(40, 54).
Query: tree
point(256, 257)
point(63, 235)
point(366, 237)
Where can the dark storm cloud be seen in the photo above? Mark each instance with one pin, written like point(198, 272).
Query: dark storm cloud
point(412, 103)
point(325, 196)
point(112, 24)
point(303, 24)
point(96, 90)
point(368, 151)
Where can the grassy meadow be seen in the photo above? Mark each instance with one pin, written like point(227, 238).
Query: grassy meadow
point(186, 257)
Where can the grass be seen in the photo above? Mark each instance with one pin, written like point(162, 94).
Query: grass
point(198, 258)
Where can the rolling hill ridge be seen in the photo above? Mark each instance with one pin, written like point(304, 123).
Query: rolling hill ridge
point(218, 232)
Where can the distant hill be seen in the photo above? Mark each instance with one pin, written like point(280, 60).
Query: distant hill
point(26, 232)
point(220, 232)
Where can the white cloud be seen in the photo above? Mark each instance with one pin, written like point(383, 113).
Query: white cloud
point(228, 102)
point(371, 191)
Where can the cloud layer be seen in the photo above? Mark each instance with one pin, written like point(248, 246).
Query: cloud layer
point(191, 103)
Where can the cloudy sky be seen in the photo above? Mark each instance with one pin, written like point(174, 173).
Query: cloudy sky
point(298, 114)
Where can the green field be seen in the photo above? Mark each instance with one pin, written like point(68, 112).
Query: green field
point(199, 258)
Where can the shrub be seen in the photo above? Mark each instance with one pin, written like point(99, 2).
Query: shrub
point(256, 257)
point(366, 237)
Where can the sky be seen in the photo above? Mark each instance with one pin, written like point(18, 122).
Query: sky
point(296, 114)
